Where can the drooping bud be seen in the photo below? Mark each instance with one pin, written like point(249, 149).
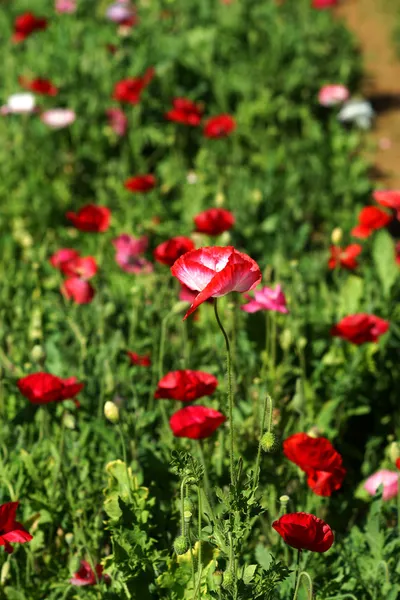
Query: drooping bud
point(228, 579)
point(111, 411)
point(269, 442)
point(217, 578)
point(181, 545)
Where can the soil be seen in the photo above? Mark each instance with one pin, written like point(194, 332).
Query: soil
point(372, 23)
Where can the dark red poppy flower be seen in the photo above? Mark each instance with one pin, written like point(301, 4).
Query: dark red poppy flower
point(360, 328)
point(141, 360)
point(318, 459)
point(344, 257)
point(185, 111)
point(216, 271)
point(168, 252)
point(130, 90)
point(397, 250)
point(26, 24)
point(140, 183)
point(84, 267)
point(11, 531)
point(220, 126)
point(86, 575)
point(42, 388)
point(324, 3)
point(398, 463)
point(195, 422)
point(214, 221)
point(62, 256)
point(304, 532)
point(370, 219)
point(186, 385)
point(389, 198)
point(38, 86)
point(91, 218)
point(78, 290)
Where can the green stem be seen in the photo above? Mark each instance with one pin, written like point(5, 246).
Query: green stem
point(297, 576)
point(161, 370)
point(310, 585)
point(200, 566)
point(183, 528)
point(267, 406)
point(398, 503)
point(206, 479)
point(124, 457)
point(230, 391)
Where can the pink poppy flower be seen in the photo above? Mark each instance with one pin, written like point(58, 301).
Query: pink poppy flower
point(65, 6)
point(119, 13)
point(62, 256)
point(58, 118)
point(117, 120)
point(267, 299)
point(389, 480)
point(128, 256)
point(84, 267)
point(330, 95)
point(388, 198)
point(78, 290)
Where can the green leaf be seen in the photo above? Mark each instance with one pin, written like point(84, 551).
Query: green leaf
point(383, 252)
point(350, 295)
point(263, 557)
point(248, 573)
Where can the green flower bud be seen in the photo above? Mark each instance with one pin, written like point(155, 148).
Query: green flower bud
point(217, 578)
point(269, 442)
point(228, 579)
point(111, 411)
point(187, 504)
point(181, 545)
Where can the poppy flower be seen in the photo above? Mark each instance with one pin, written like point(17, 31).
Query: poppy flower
point(344, 257)
point(266, 299)
point(398, 463)
point(65, 6)
point(318, 459)
point(11, 531)
point(117, 120)
point(360, 328)
point(129, 90)
point(220, 126)
point(195, 422)
point(19, 104)
point(26, 24)
point(389, 480)
point(62, 256)
point(84, 267)
point(58, 118)
point(78, 290)
point(91, 218)
point(141, 360)
point(128, 256)
point(359, 112)
point(303, 531)
point(389, 198)
point(324, 3)
point(119, 13)
point(140, 183)
point(370, 219)
point(397, 251)
point(185, 111)
point(214, 221)
point(38, 86)
point(168, 252)
point(42, 388)
point(186, 385)
point(216, 271)
point(330, 95)
point(86, 576)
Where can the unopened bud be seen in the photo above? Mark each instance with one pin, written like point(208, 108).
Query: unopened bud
point(217, 578)
point(5, 570)
point(69, 421)
point(269, 442)
point(187, 504)
point(187, 515)
point(336, 235)
point(111, 411)
point(394, 451)
point(219, 199)
point(228, 579)
point(37, 353)
point(69, 538)
point(181, 545)
point(284, 502)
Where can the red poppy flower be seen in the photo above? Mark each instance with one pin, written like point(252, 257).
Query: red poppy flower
point(195, 422)
point(11, 531)
point(304, 532)
point(389, 198)
point(78, 290)
point(344, 257)
point(185, 111)
point(63, 256)
point(360, 328)
point(91, 218)
point(168, 252)
point(140, 183)
point(214, 221)
point(39, 86)
point(26, 24)
point(141, 360)
point(397, 250)
point(186, 385)
point(129, 90)
point(84, 267)
point(398, 463)
point(220, 126)
point(86, 575)
point(216, 271)
point(370, 218)
point(42, 388)
point(324, 3)
point(318, 459)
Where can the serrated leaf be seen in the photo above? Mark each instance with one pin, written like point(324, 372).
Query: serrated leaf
point(383, 252)
point(263, 556)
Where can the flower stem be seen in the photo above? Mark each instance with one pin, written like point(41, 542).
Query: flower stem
point(199, 564)
point(310, 585)
point(297, 576)
point(230, 391)
point(267, 406)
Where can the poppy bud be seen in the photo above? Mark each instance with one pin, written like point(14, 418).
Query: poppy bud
point(219, 199)
point(286, 339)
point(394, 451)
point(269, 442)
point(187, 515)
point(5, 570)
point(284, 502)
point(217, 578)
point(187, 505)
point(228, 579)
point(37, 353)
point(69, 538)
point(336, 235)
point(111, 411)
point(181, 545)
point(69, 421)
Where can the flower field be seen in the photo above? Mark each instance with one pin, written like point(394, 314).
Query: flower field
point(199, 307)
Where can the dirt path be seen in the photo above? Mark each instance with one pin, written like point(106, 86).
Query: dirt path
point(373, 26)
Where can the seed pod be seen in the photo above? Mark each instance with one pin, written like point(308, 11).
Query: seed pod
point(181, 545)
point(269, 442)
